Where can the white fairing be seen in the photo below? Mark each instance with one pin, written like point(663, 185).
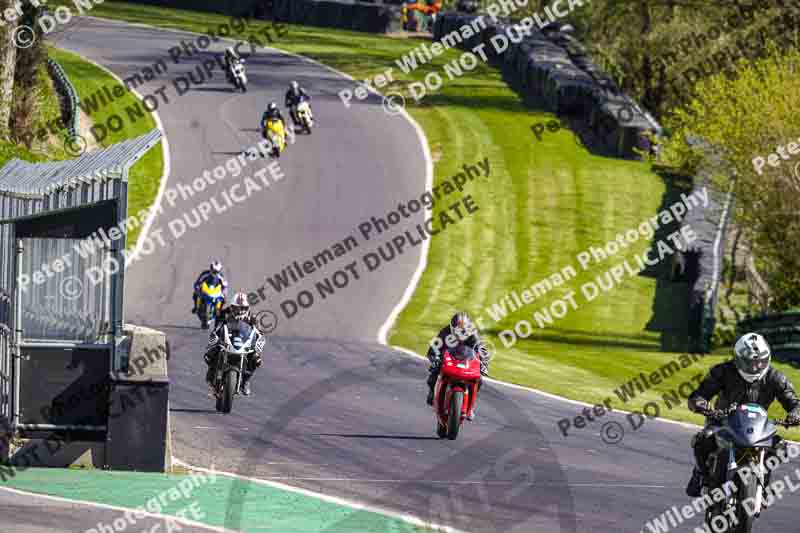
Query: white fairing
point(304, 110)
point(246, 347)
point(238, 71)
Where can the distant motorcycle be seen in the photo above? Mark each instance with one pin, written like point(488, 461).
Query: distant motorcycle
point(456, 388)
point(276, 135)
point(238, 76)
point(238, 342)
point(211, 300)
point(743, 440)
point(305, 116)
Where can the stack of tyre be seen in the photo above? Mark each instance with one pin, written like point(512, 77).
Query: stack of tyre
point(552, 71)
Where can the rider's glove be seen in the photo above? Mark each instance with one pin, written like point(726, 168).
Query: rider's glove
point(717, 414)
point(260, 346)
point(213, 339)
point(793, 418)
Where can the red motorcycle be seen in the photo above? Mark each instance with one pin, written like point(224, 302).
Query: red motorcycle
point(456, 388)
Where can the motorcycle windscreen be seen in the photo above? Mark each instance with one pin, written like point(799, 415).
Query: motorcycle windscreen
point(750, 425)
point(239, 332)
point(462, 352)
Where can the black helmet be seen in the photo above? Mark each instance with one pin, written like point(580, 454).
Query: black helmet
point(272, 106)
point(461, 326)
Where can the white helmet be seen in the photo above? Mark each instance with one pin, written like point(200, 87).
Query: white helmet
point(216, 267)
point(240, 307)
point(752, 356)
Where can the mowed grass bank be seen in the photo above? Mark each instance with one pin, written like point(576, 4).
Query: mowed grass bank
point(545, 202)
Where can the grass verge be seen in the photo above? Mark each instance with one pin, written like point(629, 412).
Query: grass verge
point(145, 176)
point(546, 201)
point(43, 146)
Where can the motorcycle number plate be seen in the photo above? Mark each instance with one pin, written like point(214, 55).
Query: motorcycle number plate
point(752, 415)
point(461, 365)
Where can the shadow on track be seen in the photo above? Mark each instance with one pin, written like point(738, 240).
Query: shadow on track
point(365, 436)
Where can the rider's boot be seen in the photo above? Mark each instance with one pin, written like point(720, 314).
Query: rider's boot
point(433, 375)
point(471, 415)
point(246, 384)
point(695, 486)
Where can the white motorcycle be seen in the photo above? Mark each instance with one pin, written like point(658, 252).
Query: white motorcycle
point(238, 76)
point(239, 340)
point(305, 116)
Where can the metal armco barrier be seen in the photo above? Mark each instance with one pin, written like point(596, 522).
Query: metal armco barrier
point(69, 94)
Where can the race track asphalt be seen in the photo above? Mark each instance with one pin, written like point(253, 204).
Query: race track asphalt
point(333, 410)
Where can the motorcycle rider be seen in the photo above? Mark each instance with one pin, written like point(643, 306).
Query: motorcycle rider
point(231, 58)
point(460, 330)
point(294, 96)
point(239, 309)
point(748, 378)
point(272, 113)
point(214, 271)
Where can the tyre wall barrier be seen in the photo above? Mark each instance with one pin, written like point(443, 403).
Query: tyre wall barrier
point(551, 70)
point(782, 331)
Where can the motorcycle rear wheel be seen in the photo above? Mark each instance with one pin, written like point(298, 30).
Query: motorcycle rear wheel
point(454, 418)
point(204, 312)
point(228, 390)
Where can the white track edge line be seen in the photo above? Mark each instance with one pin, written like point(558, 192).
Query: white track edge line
point(413, 520)
point(165, 153)
point(185, 521)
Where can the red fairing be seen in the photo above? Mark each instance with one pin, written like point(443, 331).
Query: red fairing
point(456, 375)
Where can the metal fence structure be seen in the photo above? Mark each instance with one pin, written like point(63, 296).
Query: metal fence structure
point(50, 214)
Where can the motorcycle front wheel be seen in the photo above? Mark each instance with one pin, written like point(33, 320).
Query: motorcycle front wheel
point(229, 381)
point(454, 418)
point(747, 492)
point(204, 312)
